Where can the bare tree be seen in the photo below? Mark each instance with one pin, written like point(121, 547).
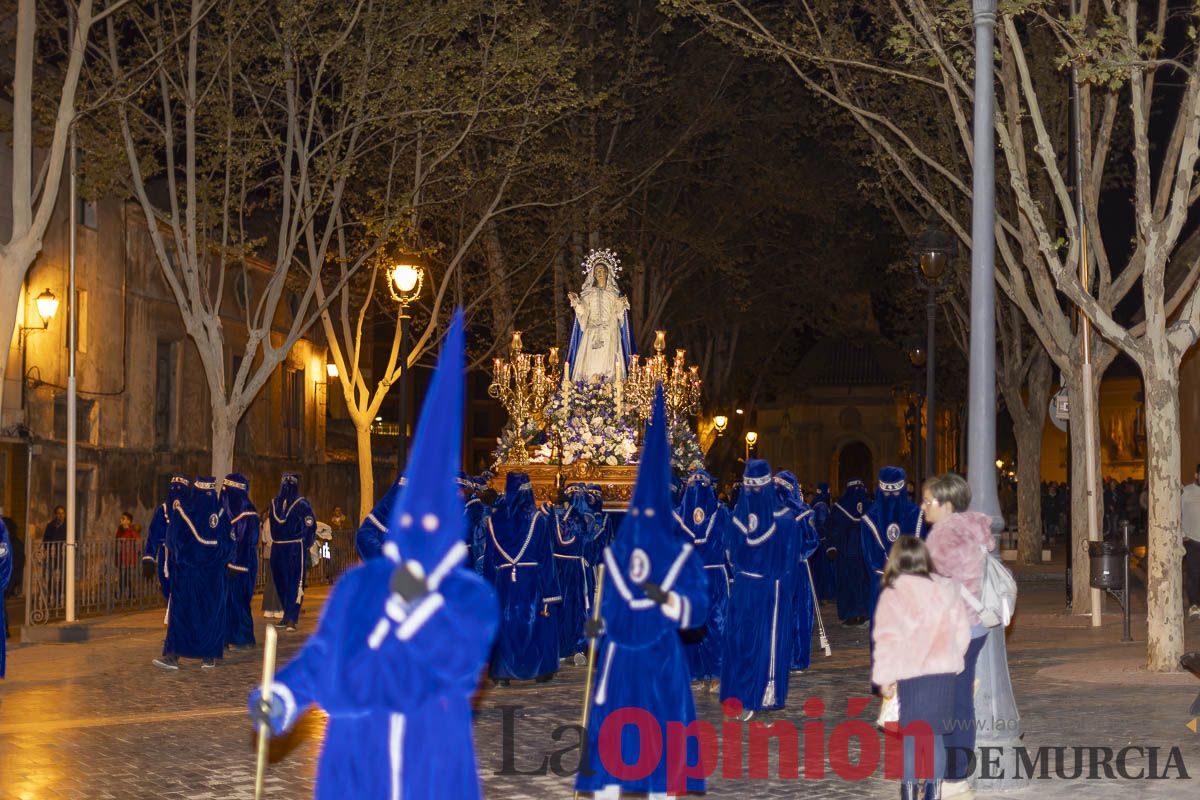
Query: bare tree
point(913, 63)
point(36, 177)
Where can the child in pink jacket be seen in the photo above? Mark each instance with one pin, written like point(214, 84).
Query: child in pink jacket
point(921, 634)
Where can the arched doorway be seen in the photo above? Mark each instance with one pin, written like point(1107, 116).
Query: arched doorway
point(854, 461)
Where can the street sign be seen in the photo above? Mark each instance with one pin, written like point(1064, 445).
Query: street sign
point(1059, 418)
point(1062, 406)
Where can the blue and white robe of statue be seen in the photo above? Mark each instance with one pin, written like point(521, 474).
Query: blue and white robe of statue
point(886, 520)
point(243, 573)
point(6, 565)
point(574, 531)
point(760, 633)
point(709, 533)
point(293, 530)
point(201, 544)
point(519, 563)
point(824, 570)
point(843, 533)
point(399, 701)
point(805, 604)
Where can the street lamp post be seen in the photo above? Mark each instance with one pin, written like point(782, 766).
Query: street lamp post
point(934, 249)
point(995, 706)
point(47, 307)
point(404, 282)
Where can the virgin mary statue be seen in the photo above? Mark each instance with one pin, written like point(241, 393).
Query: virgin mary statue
point(600, 340)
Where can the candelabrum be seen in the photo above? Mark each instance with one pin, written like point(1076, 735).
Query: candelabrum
point(524, 383)
point(681, 383)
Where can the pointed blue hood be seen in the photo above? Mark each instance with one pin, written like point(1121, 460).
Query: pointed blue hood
point(289, 493)
point(426, 524)
point(648, 545)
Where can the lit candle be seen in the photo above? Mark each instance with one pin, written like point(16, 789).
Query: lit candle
point(660, 340)
point(516, 341)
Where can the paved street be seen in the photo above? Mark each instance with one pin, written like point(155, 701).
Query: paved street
point(96, 720)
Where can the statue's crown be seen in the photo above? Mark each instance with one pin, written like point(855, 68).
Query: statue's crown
point(606, 257)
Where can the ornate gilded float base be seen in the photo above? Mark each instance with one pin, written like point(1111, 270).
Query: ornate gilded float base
point(616, 483)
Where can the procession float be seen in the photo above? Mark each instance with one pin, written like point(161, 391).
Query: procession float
point(579, 420)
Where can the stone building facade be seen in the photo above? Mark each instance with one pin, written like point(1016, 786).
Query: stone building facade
point(143, 406)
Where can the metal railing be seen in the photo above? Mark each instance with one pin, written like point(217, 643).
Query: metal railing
point(108, 576)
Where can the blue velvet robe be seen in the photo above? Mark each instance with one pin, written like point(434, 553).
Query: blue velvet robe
point(476, 512)
point(156, 547)
point(369, 539)
point(760, 632)
point(853, 592)
point(6, 566)
point(887, 519)
point(824, 571)
point(292, 532)
point(399, 712)
point(802, 591)
point(711, 539)
point(239, 583)
point(574, 533)
point(519, 563)
point(641, 664)
point(201, 544)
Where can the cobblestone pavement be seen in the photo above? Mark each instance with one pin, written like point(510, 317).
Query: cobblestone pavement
point(96, 720)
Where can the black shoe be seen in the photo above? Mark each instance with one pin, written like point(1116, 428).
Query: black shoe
point(208, 663)
point(933, 790)
point(169, 663)
point(549, 676)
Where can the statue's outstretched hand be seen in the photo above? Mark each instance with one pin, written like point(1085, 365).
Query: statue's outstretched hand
point(573, 298)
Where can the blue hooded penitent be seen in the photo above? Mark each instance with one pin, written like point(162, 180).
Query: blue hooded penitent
point(891, 516)
point(575, 531)
point(243, 569)
point(823, 568)
point(641, 664)
point(706, 521)
point(369, 539)
point(200, 544)
point(6, 564)
point(803, 600)
point(765, 556)
point(293, 530)
point(518, 561)
point(396, 676)
point(156, 537)
point(844, 538)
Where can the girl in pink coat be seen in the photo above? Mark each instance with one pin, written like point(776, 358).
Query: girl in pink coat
point(920, 636)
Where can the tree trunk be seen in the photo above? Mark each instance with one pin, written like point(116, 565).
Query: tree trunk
point(366, 470)
point(1029, 494)
point(1164, 605)
point(224, 429)
point(501, 298)
point(1029, 421)
point(1080, 567)
point(12, 275)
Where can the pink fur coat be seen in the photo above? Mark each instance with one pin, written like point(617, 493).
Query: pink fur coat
point(920, 629)
point(954, 547)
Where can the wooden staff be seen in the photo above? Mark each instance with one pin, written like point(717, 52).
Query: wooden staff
point(592, 645)
point(264, 729)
